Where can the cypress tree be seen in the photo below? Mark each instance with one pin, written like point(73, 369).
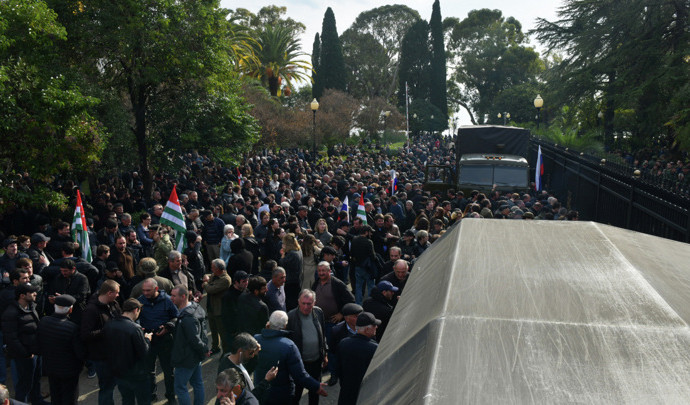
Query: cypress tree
point(316, 88)
point(414, 63)
point(437, 91)
point(332, 73)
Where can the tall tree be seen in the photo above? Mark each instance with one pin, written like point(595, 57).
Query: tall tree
point(624, 65)
point(47, 122)
point(169, 65)
point(437, 91)
point(316, 89)
point(331, 74)
point(371, 48)
point(490, 57)
point(415, 67)
point(278, 52)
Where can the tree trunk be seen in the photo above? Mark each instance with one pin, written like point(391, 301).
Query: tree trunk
point(139, 98)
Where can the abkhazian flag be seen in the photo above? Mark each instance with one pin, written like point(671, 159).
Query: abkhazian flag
point(172, 216)
point(539, 170)
point(360, 210)
point(80, 232)
point(345, 207)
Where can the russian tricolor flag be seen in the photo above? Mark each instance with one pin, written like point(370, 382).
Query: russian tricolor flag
point(394, 182)
point(539, 170)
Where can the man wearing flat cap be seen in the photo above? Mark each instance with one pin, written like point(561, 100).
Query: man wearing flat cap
point(62, 351)
point(37, 253)
point(355, 354)
point(342, 330)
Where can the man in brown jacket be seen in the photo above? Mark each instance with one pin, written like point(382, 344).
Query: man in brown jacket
point(216, 286)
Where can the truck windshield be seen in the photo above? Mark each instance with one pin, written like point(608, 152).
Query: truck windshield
point(510, 176)
point(480, 175)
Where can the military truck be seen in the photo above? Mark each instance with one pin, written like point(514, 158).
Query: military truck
point(488, 157)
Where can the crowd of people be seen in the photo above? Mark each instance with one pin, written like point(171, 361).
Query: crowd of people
point(299, 281)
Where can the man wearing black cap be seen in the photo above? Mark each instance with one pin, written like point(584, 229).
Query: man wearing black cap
point(62, 352)
point(19, 326)
point(380, 303)
point(355, 354)
point(71, 282)
point(344, 329)
point(8, 261)
point(229, 312)
point(37, 253)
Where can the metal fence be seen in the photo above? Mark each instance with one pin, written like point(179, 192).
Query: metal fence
point(605, 195)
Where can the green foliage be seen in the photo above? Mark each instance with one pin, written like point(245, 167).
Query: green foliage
point(46, 120)
point(331, 74)
point(415, 68)
point(437, 89)
point(490, 58)
point(317, 88)
point(371, 49)
point(630, 56)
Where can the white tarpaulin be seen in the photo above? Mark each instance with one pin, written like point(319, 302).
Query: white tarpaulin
point(508, 311)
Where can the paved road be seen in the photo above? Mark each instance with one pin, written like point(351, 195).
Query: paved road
point(88, 388)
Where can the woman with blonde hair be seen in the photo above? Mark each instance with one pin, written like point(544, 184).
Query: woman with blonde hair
point(291, 261)
point(251, 244)
point(311, 247)
point(321, 232)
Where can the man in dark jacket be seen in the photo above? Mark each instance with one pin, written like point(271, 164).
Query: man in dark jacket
point(128, 347)
point(19, 330)
point(230, 384)
point(278, 350)
point(195, 260)
point(229, 308)
point(364, 261)
point(381, 305)
point(177, 273)
point(102, 307)
point(344, 329)
point(253, 310)
point(37, 252)
point(159, 316)
point(71, 282)
point(355, 355)
point(190, 346)
point(398, 277)
point(61, 351)
point(306, 322)
point(212, 234)
point(241, 258)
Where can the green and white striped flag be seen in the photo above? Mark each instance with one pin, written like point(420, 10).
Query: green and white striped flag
point(172, 216)
point(361, 213)
point(80, 232)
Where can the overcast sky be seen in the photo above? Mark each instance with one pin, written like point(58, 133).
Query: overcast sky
point(310, 13)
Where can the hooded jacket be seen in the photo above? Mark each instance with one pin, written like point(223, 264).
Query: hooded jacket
point(191, 343)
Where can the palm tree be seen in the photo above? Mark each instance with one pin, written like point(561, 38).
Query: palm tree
point(241, 45)
point(278, 51)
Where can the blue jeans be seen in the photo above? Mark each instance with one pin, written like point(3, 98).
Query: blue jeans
point(106, 382)
point(193, 376)
point(362, 276)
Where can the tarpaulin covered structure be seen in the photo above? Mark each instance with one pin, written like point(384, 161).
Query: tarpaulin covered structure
point(492, 139)
point(507, 312)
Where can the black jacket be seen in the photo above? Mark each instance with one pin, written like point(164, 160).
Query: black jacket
point(93, 320)
point(230, 311)
point(77, 286)
point(19, 331)
point(355, 354)
point(294, 325)
point(60, 347)
point(191, 343)
point(340, 292)
point(127, 348)
point(242, 260)
point(292, 263)
point(338, 333)
point(191, 285)
point(362, 248)
point(253, 313)
point(381, 307)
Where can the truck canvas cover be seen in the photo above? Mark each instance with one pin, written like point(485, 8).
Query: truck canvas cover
point(492, 139)
point(513, 312)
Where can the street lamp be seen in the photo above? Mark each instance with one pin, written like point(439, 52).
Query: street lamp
point(505, 115)
point(538, 104)
point(314, 107)
point(386, 114)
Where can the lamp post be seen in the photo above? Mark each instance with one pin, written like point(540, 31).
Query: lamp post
point(538, 104)
point(386, 114)
point(505, 115)
point(314, 107)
